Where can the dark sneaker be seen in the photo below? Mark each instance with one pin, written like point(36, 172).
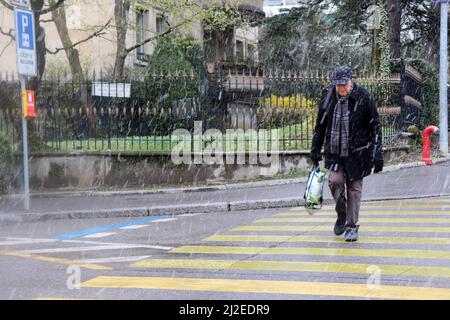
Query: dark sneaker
point(351, 235)
point(339, 227)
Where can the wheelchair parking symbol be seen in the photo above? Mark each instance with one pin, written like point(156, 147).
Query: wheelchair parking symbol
point(25, 30)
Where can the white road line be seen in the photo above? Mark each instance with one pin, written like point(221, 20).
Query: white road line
point(117, 259)
point(156, 247)
point(163, 220)
point(96, 248)
point(76, 249)
point(137, 226)
point(28, 239)
point(118, 243)
point(189, 214)
point(99, 235)
point(20, 241)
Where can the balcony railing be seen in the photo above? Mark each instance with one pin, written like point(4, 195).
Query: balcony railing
point(143, 57)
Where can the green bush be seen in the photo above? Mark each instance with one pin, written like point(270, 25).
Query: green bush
point(431, 91)
point(417, 136)
point(6, 163)
point(173, 74)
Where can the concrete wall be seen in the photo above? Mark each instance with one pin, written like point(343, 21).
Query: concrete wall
point(122, 170)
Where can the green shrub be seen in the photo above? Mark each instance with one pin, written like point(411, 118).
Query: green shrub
point(417, 138)
point(6, 163)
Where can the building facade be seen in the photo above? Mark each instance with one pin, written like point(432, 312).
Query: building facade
point(274, 7)
point(86, 17)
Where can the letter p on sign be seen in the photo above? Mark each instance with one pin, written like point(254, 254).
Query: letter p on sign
point(29, 110)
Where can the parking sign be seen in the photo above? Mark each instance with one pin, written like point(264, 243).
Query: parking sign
point(25, 42)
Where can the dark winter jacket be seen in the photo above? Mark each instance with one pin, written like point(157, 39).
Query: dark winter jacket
point(364, 133)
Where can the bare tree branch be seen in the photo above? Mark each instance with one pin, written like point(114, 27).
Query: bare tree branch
point(8, 34)
point(52, 7)
point(47, 10)
point(6, 4)
point(169, 30)
point(11, 36)
point(95, 34)
point(4, 49)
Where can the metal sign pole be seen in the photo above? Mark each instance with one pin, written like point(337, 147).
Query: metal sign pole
point(26, 66)
point(443, 80)
point(23, 85)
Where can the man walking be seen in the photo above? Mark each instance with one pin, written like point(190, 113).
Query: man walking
point(348, 123)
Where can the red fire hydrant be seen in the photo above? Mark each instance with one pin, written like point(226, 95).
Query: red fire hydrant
point(426, 149)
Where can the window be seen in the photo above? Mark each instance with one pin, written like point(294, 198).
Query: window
point(140, 35)
point(239, 50)
point(73, 14)
point(274, 3)
point(251, 52)
point(160, 23)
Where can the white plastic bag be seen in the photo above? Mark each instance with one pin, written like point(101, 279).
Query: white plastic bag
point(314, 190)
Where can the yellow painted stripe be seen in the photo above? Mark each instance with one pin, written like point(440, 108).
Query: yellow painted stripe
point(398, 206)
point(56, 298)
point(348, 252)
point(327, 228)
point(424, 201)
point(380, 220)
point(79, 263)
point(396, 270)
point(364, 212)
point(270, 287)
point(421, 200)
point(327, 239)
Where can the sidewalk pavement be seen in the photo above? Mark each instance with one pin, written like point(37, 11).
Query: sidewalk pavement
point(412, 180)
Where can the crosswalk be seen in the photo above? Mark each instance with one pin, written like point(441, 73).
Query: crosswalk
point(403, 253)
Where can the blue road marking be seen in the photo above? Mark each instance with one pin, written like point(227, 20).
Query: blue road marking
point(108, 227)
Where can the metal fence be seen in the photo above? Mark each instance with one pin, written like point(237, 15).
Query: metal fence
point(141, 115)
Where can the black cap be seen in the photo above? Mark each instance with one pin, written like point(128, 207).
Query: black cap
point(341, 75)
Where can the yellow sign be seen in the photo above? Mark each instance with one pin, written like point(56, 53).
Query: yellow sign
point(28, 103)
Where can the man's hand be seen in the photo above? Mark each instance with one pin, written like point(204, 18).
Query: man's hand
point(315, 159)
point(378, 166)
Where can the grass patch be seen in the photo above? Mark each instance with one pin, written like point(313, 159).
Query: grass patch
point(285, 138)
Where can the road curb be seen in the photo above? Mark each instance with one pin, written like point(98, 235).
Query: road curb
point(114, 213)
point(181, 209)
point(264, 204)
point(232, 186)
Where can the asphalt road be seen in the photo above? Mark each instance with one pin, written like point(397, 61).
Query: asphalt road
point(403, 253)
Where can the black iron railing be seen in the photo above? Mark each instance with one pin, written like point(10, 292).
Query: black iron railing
point(142, 115)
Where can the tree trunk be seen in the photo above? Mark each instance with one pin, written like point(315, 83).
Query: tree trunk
point(434, 36)
point(120, 9)
point(59, 17)
point(37, 6)
point(394, 8)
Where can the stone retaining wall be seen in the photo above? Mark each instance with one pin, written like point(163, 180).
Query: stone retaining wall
point(122, 170)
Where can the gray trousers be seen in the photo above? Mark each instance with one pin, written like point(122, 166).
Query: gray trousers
point(349, 202)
